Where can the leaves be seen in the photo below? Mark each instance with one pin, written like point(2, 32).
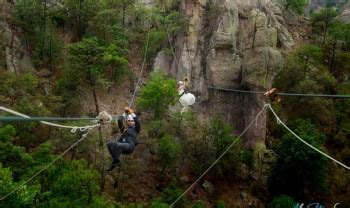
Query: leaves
point(157, 95)
point(299, 170)
point(297, 5)
point(169, 151)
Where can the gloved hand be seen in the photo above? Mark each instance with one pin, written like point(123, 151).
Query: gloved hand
point(128, 110)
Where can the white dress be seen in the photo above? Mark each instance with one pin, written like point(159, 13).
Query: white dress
point(186, 99)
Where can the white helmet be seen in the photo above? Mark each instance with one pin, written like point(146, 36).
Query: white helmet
point(130, 118)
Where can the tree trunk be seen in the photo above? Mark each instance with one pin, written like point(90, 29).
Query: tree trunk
point(42, 52)
point(325, 33)
point(50, 51)
point(333, 56)
point(124, 13)
point(97, 110)
point(254, 33)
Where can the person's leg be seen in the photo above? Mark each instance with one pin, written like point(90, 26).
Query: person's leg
point(116, 149)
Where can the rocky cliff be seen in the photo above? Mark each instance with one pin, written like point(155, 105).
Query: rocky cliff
point(17, 58)
point(234, 44)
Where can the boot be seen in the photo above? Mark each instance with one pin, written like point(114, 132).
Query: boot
point(113, 165)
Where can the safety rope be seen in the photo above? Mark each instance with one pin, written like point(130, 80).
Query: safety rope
point(279, 121)
point(47, 166)
point(170, 44)
point(217, 160)
point(20, 119)
point(143, 65)
point(282, 94)
point(73, 128)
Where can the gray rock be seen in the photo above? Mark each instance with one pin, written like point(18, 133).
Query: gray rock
point(243, 195)
point(208, 186)
point(184, 179)
point(221, 40)
point(345, 14)
point(261, 67)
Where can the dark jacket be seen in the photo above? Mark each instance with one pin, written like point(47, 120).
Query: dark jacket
point(129, 135)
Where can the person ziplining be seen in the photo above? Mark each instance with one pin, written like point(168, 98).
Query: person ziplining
point(186, 99)
point(128, 139)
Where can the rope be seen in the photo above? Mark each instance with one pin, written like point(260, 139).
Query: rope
point(282, 94)
point(19, 119)
point(217, 160)
point(279, 121)
point(143, 64)
point(47, 166)
point(73, 128)
point(171, 46)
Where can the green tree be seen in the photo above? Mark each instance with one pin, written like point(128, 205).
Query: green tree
point(322, 21)
point(282, 201)
point(39, 34)
point(86, 64)
point(90, 60)
point(299, 171)
point(208, 146)
point(296, 5)
point(336, 49)
point(168, 196)
point(164, 27)
point(169, 151)
point(304, 73)
point(11, 155)
point(24, 197)
point(157, 95)
point(76, 185)
point(78, 13)
point(152, 44)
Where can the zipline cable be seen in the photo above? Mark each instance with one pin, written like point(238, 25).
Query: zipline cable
point(282, 94)
point(47, 166)
point(73, 128)
point(279, 121)
point(170, 44)
point(217, 160)
point(142, 67)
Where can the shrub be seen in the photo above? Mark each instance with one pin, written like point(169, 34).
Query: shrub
point(282, 201)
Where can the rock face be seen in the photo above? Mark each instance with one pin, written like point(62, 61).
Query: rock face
point(17, 58)
point(345, 13)
point(231, 43)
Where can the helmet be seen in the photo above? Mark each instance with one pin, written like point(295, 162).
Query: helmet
point(130, 118)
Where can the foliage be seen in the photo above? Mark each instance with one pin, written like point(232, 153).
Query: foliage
point(166, 26)
point(153, 42)
point(169, 151)
point(157, 95)
point(322, 21)
point(24, 197)
point(220, 204)
point(39, 34)
point(282, 201)
point(171, 193)
point(77, 14)
point(198, 204)
point(304, 73)
point(11, 155)
point(93, 61)
point(86, 60)
point(206, 148)
point(156, 128)
point(168, 196)
point(299, 171)
point(76, 185)
point(296, 5)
